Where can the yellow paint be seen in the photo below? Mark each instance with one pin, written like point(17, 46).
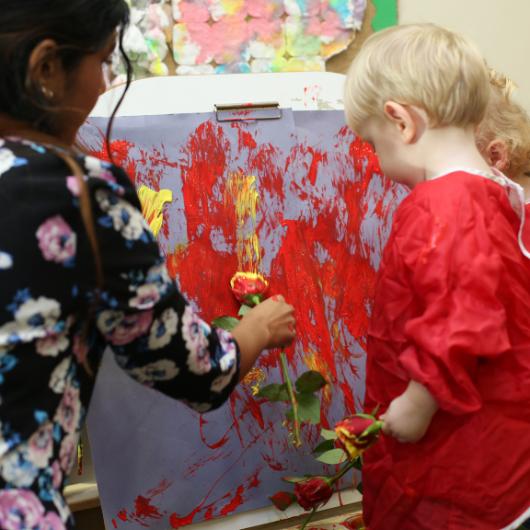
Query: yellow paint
point(314, 362)
point(153, 205)
point(253, 379)
point(242, 190)
point(231, 7)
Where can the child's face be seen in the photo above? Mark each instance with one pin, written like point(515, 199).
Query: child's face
point(388, 144)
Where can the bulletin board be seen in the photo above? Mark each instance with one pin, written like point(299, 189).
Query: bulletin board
point(186, 37)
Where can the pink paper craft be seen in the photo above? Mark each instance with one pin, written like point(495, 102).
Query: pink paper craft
point(270, 9)
point(222, 8)
point(191, 43)
point(267, 38)
point(229, 39)
point(302, 36)
point(191, 11)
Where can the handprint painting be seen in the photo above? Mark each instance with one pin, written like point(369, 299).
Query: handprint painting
point(299, 201)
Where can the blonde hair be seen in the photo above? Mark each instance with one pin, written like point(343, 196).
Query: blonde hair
point(507, 121)
point(424, 65)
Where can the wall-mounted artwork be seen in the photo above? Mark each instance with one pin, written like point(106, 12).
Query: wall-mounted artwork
point(237, 36)
point(301, 201)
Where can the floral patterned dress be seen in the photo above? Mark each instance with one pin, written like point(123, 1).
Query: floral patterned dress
point(47, 358)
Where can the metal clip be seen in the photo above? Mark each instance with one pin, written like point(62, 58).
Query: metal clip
point(248, 112)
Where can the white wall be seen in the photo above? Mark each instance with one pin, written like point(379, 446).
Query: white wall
point(501, 28)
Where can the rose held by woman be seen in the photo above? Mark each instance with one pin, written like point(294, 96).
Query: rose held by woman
point(248, 287)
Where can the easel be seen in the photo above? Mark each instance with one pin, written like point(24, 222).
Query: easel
point(154, 96)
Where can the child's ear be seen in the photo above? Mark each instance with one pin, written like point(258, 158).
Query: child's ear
point(401, 116)
point(496, 154)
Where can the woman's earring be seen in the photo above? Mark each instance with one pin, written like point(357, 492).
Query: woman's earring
point(46, 92)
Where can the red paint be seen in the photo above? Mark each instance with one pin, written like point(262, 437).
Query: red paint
point(317, 158)
point(214, 445)
point(235, 502)
point(144, 509)
point(347, 392)
point(245, 139)
point(273, 464)
point(178, 522)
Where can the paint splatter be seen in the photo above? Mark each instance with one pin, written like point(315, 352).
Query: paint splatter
point(144, 510)
point(254, 379)
point(241, 190)
point(153, 205)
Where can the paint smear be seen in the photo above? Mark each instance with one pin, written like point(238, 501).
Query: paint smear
point(241, 189)
point(153, 205)
point(144, 510)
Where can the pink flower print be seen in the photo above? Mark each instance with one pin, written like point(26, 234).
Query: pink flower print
point(57, 241)
point(147, 296)
point(72, 183)
point(120, 329)
point(19, 509)
point(68, 413)
point(40, 446)
point(57, 475)
point(67, 452)
point(227, 361)
point(51, 521)
point(195, 333)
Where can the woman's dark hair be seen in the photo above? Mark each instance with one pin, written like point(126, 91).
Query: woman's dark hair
point(79, 27)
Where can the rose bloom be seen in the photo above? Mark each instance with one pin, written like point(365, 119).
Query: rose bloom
point(350, 434)
point(313, 492)
point(245, 284)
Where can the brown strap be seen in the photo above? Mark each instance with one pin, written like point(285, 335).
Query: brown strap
point(86, 214)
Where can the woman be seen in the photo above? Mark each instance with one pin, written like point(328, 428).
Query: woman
point(79, 268)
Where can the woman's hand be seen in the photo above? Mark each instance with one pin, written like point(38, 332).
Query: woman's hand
point(270, 324)
point(408, 417)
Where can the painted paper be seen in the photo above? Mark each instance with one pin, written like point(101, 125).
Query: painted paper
point(236, 36)
point(299, 200)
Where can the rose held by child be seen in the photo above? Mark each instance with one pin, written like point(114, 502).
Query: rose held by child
point(357, 433)
point(313, 492)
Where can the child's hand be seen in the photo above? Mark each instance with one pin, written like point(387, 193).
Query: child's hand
point(408, 417)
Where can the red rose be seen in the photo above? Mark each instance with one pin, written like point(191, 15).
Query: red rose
point(248, 287)
point(282, 499)
point(313, 492)
point(357, 433)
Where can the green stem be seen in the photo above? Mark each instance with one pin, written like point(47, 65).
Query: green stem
point(296, 422)
point(308, 520)
point(343, 471)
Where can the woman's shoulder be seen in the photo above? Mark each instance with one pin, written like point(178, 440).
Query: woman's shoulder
point(42, 163)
